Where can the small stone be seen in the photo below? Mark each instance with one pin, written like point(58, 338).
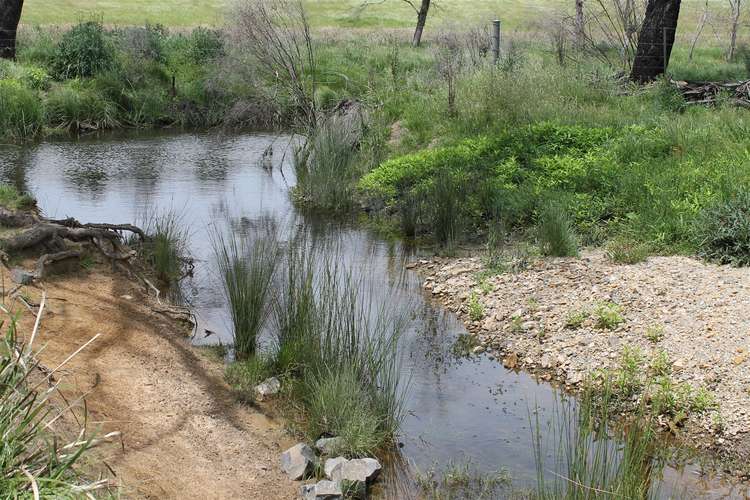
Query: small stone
point(478, 349)
point(268, 387)
point(298, 461)
point(126, 297)
point(329, 446)
point(21, 276)
point(323, 490)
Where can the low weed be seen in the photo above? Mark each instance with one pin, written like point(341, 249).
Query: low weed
point(575, 319)
point(655, 333)
point(661, 365)
point(244, 375)
point(624, 250)
point(476, 309)
point(607, 316)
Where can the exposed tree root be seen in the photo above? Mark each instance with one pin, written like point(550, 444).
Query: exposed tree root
point(60, 240)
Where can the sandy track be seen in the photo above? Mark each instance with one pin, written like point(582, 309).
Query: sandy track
point(184, 435)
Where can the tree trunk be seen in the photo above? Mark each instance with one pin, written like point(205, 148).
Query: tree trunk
point(656, 40)
point(421, 21)
point(10, 15)
point(580, 27)
point(736, 10)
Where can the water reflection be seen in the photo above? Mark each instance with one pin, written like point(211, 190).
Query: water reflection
point(457, 407)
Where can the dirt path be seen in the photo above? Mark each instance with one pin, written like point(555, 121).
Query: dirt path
point(184, 435)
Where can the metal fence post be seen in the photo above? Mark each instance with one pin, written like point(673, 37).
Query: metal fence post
point(495, 41)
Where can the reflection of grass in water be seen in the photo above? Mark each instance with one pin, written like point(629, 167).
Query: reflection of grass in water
point(594, 459)
point(462, 480)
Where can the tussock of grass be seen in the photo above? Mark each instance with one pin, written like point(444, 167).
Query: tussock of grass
point(247, 268)
point(554, 232)
point(336, 352)
point(166, 246)
point(10, 198)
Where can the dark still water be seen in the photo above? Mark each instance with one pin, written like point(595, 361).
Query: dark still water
point(458, 409)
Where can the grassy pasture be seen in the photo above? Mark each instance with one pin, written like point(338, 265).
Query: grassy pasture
point(516, 14)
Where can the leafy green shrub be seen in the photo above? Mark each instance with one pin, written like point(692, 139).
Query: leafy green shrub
point(722, 231)
point(623, 250)
point(555, 233)
point(145, 42)
point(78, 108)
point(84, 51)
point(21, 113)
point(205, 45)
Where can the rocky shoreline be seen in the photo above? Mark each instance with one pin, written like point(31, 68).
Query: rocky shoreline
point(547, 319)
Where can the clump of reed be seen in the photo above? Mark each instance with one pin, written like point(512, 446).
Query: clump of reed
point(326, 165)
point(596, 458)
point(335, 351)
point(164, 248)
point(247, 267)
point(555, 232)
point(341, 348)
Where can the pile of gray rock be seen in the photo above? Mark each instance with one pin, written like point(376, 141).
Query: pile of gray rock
point(344, 478)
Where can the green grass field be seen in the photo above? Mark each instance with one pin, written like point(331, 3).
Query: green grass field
point(516, 14)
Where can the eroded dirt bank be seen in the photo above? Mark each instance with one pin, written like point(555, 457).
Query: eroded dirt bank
point(544, 319)
point(183, 433)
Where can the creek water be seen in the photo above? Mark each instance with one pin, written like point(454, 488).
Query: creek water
point(459, 409)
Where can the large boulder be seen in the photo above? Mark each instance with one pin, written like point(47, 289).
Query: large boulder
point(323, 490)
point(361, 469)
point(298, 461)
point(331, 464)
point(355, 475)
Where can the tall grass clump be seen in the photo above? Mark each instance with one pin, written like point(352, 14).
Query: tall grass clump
point(165, 248)
point(722, 231)
point(78, 108)
point(341, 349)
point(11, 198)
point(21, 113)
point(445, 199)
point(247, 267)
point(33, 462)
point(554, 232)
point(594, 458)
point(326, 165)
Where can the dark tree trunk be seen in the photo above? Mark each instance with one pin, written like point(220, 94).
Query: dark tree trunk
point(655, 40)
point(421, 21)
point(10, 15)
